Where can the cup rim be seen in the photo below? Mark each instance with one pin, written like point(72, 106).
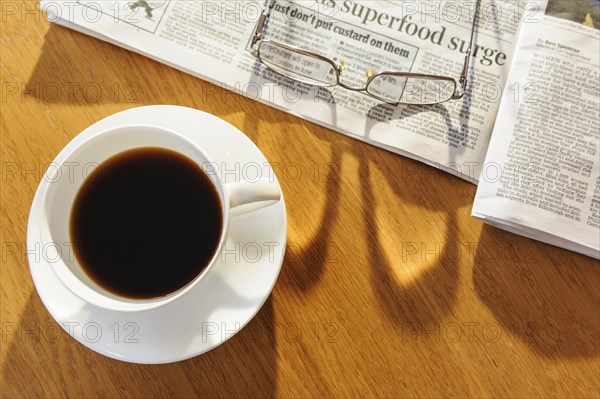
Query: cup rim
point(106, 299)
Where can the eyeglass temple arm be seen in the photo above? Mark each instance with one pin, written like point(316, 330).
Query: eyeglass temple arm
point(464, 75)
point(261, 23)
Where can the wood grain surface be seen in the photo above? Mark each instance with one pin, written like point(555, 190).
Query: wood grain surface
point(389, 287)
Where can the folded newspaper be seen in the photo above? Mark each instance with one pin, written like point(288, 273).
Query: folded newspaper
point(527, 129)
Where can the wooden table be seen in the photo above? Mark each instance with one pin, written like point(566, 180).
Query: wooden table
point(389, 289)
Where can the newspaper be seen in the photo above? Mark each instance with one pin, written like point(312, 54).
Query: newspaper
point(211, 39)
point(542, 175)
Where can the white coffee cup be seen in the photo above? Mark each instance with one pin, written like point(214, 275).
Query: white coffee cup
point(62, 190)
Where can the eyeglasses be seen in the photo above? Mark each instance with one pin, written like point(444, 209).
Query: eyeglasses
point(390, 86)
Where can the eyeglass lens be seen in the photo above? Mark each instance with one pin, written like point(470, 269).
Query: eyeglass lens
point(306, 68)
point(398, 88)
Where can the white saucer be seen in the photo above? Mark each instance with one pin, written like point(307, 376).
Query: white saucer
point(221, 304)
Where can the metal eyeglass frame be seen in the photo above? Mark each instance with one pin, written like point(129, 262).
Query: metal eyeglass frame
point(460, 84)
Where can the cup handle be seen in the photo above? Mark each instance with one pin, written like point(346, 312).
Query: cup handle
point(244, 192)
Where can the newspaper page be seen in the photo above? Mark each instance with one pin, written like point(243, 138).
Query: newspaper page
point(211, 40)
point(541, 176)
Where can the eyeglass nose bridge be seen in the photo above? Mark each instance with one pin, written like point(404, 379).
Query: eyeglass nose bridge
point(340, 72)
point(351, 88)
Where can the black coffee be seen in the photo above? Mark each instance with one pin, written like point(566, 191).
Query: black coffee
point(146, 222)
